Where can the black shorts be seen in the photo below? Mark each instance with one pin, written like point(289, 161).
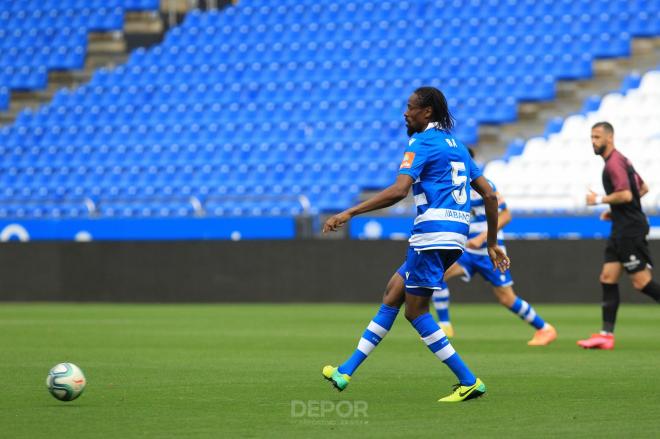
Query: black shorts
point(632, 253)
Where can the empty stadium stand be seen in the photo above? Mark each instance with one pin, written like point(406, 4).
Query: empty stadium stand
point(38, 36)
point(552, 173)
point(279, 108)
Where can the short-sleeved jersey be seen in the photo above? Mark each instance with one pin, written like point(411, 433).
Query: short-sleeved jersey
point(441, 169)
point(628, 219)
point(478, 222)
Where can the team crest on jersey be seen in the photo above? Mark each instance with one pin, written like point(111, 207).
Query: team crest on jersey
point(407, 162)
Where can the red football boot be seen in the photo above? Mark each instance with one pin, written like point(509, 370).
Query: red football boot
point(598, 341)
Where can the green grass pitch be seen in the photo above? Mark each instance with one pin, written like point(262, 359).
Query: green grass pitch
point(197, 371)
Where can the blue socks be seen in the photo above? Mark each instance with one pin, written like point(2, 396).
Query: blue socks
point(428, 329)
point(437, 342)
point(520, 307)
point(527, 313)
point(375, 332)
point(441, 304)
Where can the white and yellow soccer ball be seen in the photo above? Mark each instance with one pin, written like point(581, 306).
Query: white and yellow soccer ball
point(66, 381)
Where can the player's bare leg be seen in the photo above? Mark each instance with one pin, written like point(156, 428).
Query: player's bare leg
point(454, 271)
point(609, 279)
point(393, 298)
point(643, 282)
point(505, 295)
point(416, 306)
point(640, 279)
point(545, 332)
point(395, 292)
point(611, 273)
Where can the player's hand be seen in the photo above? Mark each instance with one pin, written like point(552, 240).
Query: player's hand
point(591, 198)
point(499, 259)
point(606, 215)
point(475, 243)
point(336, 222)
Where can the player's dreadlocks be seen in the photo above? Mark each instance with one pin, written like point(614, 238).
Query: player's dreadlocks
point(432, 97)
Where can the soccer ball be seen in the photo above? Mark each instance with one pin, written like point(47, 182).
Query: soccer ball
point(66, 381)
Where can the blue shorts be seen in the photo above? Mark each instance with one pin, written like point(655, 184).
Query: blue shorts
point(482, 264)
point(423, 271)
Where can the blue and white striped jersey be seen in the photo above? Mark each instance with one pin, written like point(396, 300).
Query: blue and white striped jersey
point(441, 168)
point(478, 220)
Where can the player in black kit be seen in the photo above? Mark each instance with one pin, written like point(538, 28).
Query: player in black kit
point(627, 247)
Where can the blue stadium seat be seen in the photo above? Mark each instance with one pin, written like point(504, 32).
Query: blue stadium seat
point(251, 107)
point(52, 35)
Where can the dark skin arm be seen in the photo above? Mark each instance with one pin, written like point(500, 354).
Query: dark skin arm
point(504, 218)
point(387, 197)
point(399, 190)
point(496, 254)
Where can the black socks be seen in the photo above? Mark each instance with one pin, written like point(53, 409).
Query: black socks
point(652, 289)
point(611, 301)
point(610, 305)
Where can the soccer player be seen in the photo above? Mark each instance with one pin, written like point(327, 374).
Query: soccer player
point(475, 260)
point(438, 168)
point(627, 247)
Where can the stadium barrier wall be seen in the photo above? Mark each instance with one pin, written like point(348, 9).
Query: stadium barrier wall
point(281, 227)
point(276, 271)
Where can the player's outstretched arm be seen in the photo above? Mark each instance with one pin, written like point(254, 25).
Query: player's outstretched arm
point(387, 197)
point(497, 255)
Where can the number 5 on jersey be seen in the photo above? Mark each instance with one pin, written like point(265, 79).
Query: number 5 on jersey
point(460, 194)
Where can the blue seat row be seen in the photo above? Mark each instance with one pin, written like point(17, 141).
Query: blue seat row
point(102, 19)
point(52, 35)
point(39, 40)
point(300, 98)
point(252, 12)
point(40, 7)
